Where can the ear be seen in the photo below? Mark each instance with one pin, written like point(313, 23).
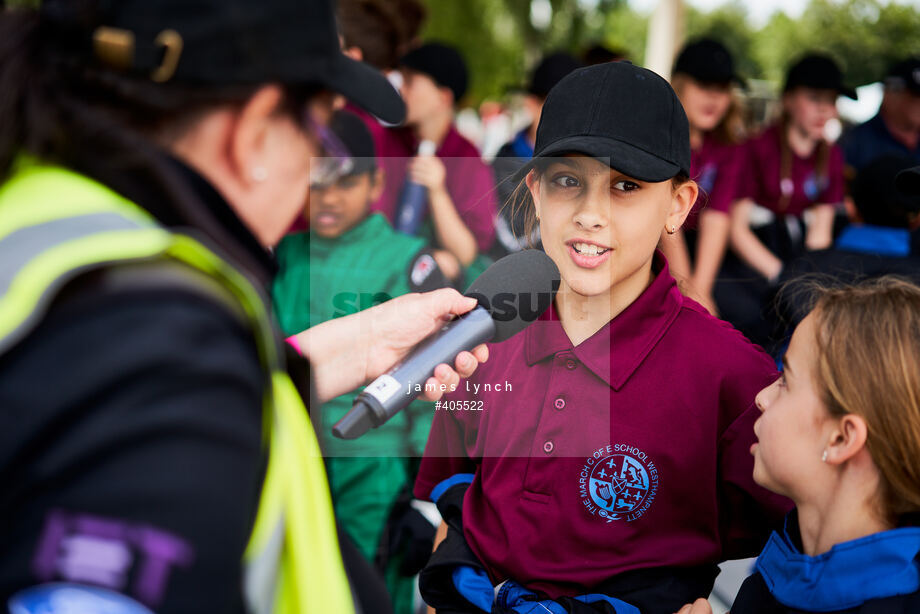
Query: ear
point(377, 180)
point(250, 133)
point(447, 97)
point(847, 439)
point(353, 52)
point(533, 184)
point(682, 200)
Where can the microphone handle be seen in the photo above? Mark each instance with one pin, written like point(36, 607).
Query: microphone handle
point(393, 391)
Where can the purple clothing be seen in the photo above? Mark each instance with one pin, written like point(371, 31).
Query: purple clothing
point(469, 180)
point(629, 451)
point(717, 168)
point(761, 180)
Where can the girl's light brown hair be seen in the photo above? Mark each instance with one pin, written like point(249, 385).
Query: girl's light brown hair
point(868, 339)
point(731, 129)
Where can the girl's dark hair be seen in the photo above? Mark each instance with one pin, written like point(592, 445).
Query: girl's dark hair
point(520, 202)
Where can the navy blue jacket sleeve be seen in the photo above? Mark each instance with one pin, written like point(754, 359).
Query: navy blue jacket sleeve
point(130, 450)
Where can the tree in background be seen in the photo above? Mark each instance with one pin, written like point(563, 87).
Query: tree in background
point(503, 39)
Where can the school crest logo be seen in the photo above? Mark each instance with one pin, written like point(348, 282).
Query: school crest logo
point(814, 186)
point(618, 482)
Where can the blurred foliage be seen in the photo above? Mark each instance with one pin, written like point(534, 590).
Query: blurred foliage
point(501, 44)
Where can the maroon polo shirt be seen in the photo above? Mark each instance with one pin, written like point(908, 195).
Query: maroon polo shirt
point(469, 181)
point(716, 167)
point(761, 177)
point(629, 451)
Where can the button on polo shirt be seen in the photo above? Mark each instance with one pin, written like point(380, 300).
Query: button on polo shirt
point(646, 465)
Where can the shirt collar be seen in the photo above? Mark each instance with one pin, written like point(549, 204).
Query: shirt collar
point(849, 574)
point(633, 333)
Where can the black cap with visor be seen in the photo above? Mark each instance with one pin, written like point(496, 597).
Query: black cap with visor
point(222, 42)
point(625, 116)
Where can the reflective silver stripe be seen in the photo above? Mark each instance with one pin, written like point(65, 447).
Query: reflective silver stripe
point(19, 247)
point(23, 245)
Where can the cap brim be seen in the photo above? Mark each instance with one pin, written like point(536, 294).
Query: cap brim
point(621, 156)
point(908, 181)
point(368, 88)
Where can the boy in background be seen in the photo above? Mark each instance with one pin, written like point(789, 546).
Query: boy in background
point(352, 259)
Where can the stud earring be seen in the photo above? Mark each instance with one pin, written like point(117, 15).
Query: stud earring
point(671, 229)
point(259, 174)
point(824, 457)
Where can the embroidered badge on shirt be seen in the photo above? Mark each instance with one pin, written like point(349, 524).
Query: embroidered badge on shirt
point(421, 269)
point(618, 482)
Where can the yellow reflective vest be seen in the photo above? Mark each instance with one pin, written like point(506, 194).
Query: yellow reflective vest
point(55, 225)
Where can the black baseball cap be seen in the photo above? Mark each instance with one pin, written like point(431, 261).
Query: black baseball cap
point(819, 72)
point(906, 74)
point(352, 132)
point(707, 61)
point(626, 116)
point(878, 199)
point(222, 42)
point(442, 63)
point(550, 71)
point(908, 181)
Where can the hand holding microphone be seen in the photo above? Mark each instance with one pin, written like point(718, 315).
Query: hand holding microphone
point(512, 294)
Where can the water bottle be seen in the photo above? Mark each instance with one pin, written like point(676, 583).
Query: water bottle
point(413, 200)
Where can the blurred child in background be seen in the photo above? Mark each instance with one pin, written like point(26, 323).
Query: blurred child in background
point(793, 185)
point(702, 77)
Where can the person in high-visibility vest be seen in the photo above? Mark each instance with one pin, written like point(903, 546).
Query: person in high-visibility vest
point(156, 453)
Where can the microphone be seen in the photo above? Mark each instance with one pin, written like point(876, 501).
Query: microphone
point(512, 293)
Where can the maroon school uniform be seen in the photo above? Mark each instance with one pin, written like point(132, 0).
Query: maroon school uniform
point(468, 180)
point(761, 178)
point(629, 451)
point(716, 167)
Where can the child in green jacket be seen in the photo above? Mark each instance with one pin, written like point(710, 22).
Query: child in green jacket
point(352, 259)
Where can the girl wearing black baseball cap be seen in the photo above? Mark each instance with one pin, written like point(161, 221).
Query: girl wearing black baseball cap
point(151, 151)
point(791, 169)
point(613, 462)
point(703, 76)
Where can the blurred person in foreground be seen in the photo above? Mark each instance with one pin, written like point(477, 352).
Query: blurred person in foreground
point(352, 259)
point(703, 76)
point(839, 433)
point(509, 230)
point(157, 455)
point(896, 127)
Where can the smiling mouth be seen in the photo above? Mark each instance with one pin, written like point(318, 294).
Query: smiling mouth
point(589, 249)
